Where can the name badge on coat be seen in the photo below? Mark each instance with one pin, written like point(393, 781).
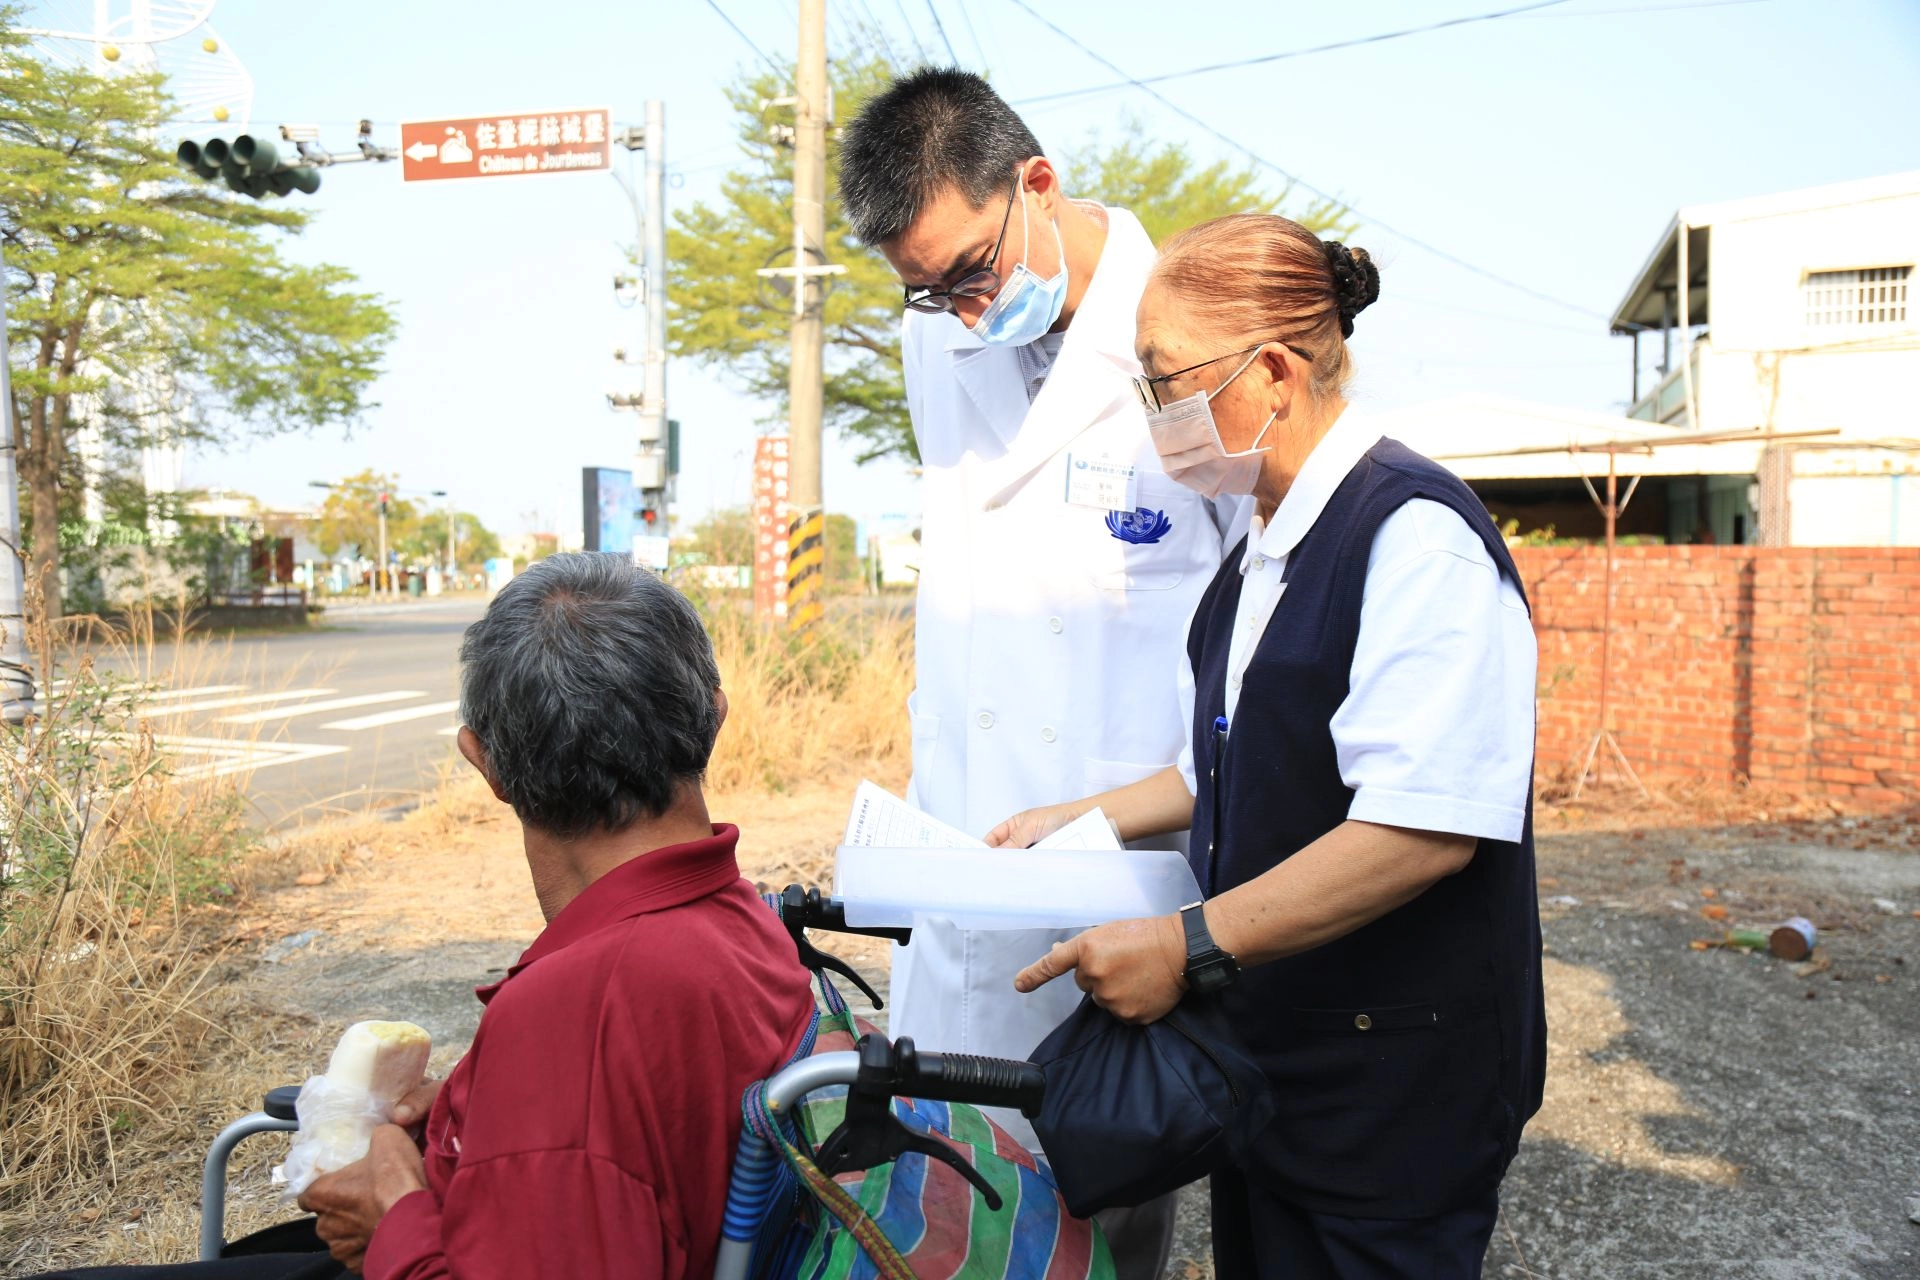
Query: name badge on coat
point(1102, 483)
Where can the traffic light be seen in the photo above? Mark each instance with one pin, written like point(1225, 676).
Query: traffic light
point(249, 165)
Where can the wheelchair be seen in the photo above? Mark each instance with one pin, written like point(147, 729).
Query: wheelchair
point(761, 1197)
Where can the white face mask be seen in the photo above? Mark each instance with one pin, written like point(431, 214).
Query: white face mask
point(1191, 452)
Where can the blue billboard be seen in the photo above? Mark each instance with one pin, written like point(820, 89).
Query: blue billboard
point(610, 507)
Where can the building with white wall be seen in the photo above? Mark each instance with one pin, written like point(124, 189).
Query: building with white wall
point(1799, 314)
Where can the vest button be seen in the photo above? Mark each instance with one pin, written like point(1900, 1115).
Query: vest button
point(1362, 1022)
point(1055, 625)
point(1047, 734)
point(986, 720)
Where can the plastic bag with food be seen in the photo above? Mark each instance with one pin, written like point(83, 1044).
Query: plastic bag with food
point(374, 1066)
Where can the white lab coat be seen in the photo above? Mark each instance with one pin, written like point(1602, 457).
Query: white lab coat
point(1046, 645)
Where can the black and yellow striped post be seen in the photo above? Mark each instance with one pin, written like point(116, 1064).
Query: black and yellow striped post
point(806, 568)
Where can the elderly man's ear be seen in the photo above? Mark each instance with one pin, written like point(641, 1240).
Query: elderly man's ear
point(720, 705)
point(469, 743)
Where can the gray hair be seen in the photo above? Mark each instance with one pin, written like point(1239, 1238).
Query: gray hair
point(590, 684)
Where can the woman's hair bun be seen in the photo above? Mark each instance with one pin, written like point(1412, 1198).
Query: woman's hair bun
point(1356, 281)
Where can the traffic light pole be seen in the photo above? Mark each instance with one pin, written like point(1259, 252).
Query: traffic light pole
point(654, 389)
point(16, 676)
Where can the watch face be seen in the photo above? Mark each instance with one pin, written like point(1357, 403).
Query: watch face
point(1211, 976)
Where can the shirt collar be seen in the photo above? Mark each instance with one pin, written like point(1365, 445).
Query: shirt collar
point(667, 877)
point(1345, 443)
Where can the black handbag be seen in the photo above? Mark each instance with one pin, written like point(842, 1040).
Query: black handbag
point(1132, 1113)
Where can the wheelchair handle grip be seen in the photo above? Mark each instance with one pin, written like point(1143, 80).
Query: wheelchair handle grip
point(983, 1082)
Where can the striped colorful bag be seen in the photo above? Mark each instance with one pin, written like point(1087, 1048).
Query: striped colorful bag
point(917, 1219)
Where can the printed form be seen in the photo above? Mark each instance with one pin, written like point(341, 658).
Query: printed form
point(883, 820)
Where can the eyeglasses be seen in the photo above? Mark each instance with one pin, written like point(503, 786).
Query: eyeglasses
point(983, 279)
point(1148, 389)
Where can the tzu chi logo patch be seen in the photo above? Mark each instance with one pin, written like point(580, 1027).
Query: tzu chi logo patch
point(1140, 526)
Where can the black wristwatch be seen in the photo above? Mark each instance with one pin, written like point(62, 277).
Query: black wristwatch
point(1209, 969)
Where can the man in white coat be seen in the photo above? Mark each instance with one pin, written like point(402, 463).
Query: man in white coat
point(1059, 566)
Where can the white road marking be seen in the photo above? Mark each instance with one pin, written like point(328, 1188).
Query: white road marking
point(223, 756)
point(159, 694)
point(397, 716)
point(450, 730)
point(314, 708)
point(218, 704)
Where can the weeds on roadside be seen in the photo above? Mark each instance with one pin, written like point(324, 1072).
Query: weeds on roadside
point(107, 867)
point(800, 708)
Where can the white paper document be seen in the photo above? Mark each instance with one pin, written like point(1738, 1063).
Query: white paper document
point(898, 865)
point(882, 819)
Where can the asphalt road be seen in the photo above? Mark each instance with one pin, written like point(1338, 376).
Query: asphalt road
point(355, 714)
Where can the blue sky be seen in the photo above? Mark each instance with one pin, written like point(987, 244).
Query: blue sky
point(1548, 148)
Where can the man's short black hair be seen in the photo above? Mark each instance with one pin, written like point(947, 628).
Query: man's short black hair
point(931, 130)
point(590, 684)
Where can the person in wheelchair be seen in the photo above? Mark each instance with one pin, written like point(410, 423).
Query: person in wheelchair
point(590, 1128)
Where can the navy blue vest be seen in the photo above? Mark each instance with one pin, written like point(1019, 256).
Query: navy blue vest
point(1407, 1055)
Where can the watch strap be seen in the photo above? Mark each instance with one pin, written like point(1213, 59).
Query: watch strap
point(1193, 918)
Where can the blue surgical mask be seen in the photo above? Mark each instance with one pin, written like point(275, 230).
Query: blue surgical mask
point(1026, 306)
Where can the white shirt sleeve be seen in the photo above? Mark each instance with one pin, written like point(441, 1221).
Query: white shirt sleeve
point(1437, 729)
point(1183, 684)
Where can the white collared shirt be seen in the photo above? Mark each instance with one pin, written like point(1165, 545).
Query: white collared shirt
point(1436, 732)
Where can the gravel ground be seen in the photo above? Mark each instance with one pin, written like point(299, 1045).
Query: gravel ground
point(1714, 1112)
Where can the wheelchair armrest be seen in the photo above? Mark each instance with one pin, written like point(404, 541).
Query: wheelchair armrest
point(275, 1116)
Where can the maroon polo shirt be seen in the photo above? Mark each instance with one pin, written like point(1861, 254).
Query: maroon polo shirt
point(591, 1128)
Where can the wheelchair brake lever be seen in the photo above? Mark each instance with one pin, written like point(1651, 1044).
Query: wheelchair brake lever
point(797, 906)
point(871, 1134)
point(823, 960)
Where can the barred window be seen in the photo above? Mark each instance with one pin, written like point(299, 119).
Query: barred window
point(1865, 295)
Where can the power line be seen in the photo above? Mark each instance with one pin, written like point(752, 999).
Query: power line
point(919, 49)
point(973, 35)
point(1295, 53)
point(952, 57)
point(1525, 321)
point(1262, 161)
point(715, 6)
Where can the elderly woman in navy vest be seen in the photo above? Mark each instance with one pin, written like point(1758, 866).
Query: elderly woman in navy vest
point(1358, 784)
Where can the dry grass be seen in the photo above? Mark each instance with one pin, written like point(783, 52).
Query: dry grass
point(829, 705)
point(110, 941)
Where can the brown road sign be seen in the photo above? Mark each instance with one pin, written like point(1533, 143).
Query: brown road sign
point(506, 145)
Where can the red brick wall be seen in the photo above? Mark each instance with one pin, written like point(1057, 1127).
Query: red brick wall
point(1796, 668)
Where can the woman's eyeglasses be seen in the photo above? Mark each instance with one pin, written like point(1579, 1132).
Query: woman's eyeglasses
point(1148, 389)
point(982, 279)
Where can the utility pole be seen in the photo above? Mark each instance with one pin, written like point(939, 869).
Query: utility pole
point(16, 677)
point(805, 390)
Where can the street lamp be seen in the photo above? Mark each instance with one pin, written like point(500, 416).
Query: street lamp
point(453, 560)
